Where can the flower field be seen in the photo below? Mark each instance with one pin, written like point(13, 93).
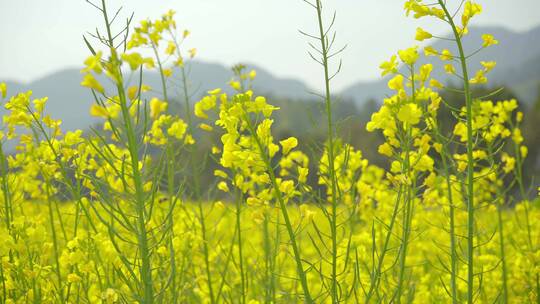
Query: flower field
point(91, 269)
point(121, 213)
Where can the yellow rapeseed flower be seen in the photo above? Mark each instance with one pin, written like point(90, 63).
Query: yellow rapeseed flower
point(223, 186)
point(288, 144)
point(177, 129)
point(446, 55)
point(470, 10)
point(479, 78)
point(430, 51)
point(390, 66)
point(93, 63)
point(157, 107)
point(90, 82)
point(410, 113)
point(135, 60)
point(3, 89)
point(409, 56)
point(39, 104)
point(422, 35)
point(488, 40)
point(488, 65)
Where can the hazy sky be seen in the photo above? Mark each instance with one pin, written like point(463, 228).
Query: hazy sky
point(39, 37)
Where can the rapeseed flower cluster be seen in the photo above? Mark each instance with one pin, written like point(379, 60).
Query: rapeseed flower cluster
point(102, 216)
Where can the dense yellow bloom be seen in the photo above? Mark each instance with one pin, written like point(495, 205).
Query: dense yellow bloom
point(509, 163)
point(177, 129)
point(409, 113)
point(109, 296)
point(385, 149)
point(424, 163)
point(287, 187)
point(381, 120)
point(76, 207)
point(207, 103)
point(73, 278)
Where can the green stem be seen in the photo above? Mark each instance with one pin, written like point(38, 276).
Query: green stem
point(283, 207)
point(453, 255)
point(6, 189)
point(161, 75)
point(132, 145)
point(503, 253)
point(4, 280)
point(376, 275)
point(269, 277)
point(73, 187)
point(196, 178)
point(172, 198)
point(522, 192)
point(330, 149)
point(470, 158)
point(239, 199)
point(407, 216)
point(55, 245)
point(205, 253)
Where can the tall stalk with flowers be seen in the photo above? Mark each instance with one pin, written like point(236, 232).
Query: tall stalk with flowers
point(249, 153)
point(326, 52)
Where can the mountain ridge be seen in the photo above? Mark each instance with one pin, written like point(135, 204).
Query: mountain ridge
point(515, 54)
point(518, 68)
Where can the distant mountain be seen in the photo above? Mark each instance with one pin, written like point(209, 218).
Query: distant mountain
point(67, 99)
point(71, 102)
point(517, 56)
